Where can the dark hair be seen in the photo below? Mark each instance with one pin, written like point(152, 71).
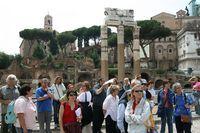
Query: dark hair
point(158, 83)
point(70, 92)
point(150, 82)
point(58, 77)
point(166, 81)
point(24, 89)
point(115, 80)
point(100, 79)
point(87, 85)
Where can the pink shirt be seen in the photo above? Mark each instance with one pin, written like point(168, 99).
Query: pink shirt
point(166, 98)
point(197, 86)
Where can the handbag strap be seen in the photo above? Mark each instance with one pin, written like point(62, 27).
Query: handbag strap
point(57, 90)
point(85, 96)
point(185, 99)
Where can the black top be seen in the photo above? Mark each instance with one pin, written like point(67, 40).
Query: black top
point(98, 98)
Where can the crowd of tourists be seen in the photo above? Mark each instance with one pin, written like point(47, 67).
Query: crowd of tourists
point(126, 106)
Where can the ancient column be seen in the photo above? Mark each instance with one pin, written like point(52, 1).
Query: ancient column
point(136, 50)
point(104, 52)
point(120, 52)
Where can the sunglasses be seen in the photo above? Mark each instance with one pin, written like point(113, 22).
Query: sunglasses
point(72, 94)
point(139, 91)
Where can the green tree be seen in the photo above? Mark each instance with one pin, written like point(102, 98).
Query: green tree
point(32, 35)
point(85, 34)
point(86, 37)
point(53, 46)
point(95, 57)
point(149, 31)
point(94, 33)
point(39, 53)
point(78, 56)
point(79, 33)
point(49, 60)
point(112, 40)
point(18, 58)
point(5, 60)
point(65, 38)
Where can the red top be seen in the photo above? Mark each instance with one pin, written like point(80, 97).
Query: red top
point(166, 101)
point(68, 114)
point(134, 106)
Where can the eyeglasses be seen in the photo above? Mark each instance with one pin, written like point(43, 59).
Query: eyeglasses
point(139, 91)
point(12, 79)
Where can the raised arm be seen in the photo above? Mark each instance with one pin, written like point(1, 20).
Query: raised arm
point(144, 116)
point(128, 112)
point(41, 98)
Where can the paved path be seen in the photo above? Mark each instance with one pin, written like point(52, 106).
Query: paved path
point(195, 127)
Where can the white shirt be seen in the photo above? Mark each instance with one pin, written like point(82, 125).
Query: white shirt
point(153, 94)
point(28, 108)
point(81, 97)
point(58, 90)
point(152, 91)
point(110, 104)
point(141, 114)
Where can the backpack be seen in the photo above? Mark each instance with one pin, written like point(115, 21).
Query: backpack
point(10, 117)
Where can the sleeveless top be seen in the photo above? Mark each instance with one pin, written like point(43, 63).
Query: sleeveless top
point(69, 116)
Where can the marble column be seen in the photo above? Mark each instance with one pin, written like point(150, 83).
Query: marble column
point(120, 52)
point(104, 52)
point(136, 50)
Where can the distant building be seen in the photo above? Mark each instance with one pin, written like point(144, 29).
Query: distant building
point(163, 52)
point(181, 50)
point(188, 43)
point(27, 47)
point(48, 22)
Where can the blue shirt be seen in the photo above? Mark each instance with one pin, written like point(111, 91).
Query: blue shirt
point(180, 101)
point(45, 105)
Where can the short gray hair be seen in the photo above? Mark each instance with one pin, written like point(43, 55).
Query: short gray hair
point(11, 77)
point(126, 79)
point(45, 80)
point(176, 85)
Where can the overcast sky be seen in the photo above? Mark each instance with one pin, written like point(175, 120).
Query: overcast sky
point(16, 15)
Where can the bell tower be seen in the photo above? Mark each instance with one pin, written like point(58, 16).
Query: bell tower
point(48, 23)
